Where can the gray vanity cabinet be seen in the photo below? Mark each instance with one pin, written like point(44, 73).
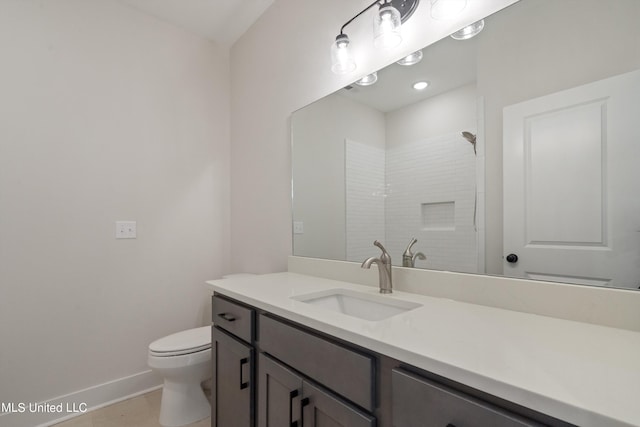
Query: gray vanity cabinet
point(345, 371)
point(419, 402)
point(271, 372)
point(312, 380)
point(279, 394)
point(322, 409)
point(231, 404)
point(285, 399)
point(232, 353)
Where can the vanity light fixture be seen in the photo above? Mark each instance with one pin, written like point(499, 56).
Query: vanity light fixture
point(420, 85)
point(411, 59)
point(368, 80)
point(444, 9)
point(386, 30)
point(386, 27)
point(469, 31)
point(342, 61)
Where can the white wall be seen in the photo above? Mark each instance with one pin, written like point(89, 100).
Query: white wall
point(319, 169)
point(105, 115)
point(281, 64)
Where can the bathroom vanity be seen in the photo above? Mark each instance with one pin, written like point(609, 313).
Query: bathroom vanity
point(297, 350)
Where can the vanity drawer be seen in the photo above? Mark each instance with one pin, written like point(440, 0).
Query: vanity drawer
point(345, 371)
point(419, 402)
point(233, 317)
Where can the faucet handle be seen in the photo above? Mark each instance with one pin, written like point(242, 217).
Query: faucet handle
point(407, 252)
point(411, 243)
point(385, 257)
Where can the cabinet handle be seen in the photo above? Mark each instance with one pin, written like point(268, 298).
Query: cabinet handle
point(292, 395)
point(228, 317)
point(243, 384)
point(304, 402)
point(450, 425)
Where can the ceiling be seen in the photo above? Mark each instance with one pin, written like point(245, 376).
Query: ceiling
point(446, 65)
point(222, 21)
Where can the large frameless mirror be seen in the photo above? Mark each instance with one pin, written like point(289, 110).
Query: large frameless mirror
point(517, 159)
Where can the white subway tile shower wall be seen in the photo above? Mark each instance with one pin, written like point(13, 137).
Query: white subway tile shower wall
point(433, 174)
point(365, 204)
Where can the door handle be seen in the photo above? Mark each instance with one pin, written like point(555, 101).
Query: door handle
point(243, 384)
point(512, 258)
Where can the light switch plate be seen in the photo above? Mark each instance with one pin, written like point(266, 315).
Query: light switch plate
point(125, 229)
point(298, 227)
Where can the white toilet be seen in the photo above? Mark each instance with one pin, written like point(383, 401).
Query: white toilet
point(183, 359)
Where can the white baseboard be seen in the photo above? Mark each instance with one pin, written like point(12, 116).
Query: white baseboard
point(73, 404)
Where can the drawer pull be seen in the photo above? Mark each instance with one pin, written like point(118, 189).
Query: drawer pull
point(228, 317)
point(243, 384)
point(450, 425)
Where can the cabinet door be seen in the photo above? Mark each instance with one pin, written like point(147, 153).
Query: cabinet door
point(419, 402)
point(321, 409)
point(232, 392)
point(279, 394)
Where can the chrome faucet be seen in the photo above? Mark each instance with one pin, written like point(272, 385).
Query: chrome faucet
point(384, 268)
point(408, 258)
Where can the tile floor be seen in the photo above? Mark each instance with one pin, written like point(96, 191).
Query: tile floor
point(139, 411)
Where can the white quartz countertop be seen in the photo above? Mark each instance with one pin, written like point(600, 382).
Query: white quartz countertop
point(585, 374)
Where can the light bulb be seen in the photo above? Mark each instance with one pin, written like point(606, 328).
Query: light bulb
point(386, 27)
point(342, 61)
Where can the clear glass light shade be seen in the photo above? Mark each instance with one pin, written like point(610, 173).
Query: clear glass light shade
point(368, 80)
point(443, 9)
point(411, 59)
point(469, 31)
point(386, 27)
point(342, 61)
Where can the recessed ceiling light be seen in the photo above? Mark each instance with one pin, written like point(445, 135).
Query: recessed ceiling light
point(420, 85)
point(469, 31)
point(368, 80)
point(411, 59)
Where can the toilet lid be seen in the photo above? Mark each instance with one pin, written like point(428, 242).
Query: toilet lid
point(189, 341)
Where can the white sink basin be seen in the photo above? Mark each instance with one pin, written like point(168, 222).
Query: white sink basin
point(358, 304)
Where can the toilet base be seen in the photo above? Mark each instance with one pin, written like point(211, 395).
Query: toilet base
point(182, 404)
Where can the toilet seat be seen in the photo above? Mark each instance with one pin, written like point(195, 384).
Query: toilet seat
point(181, 343)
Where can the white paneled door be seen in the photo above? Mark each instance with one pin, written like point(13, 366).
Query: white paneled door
point(572, 185)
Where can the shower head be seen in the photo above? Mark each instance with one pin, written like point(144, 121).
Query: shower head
point(471, 138)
